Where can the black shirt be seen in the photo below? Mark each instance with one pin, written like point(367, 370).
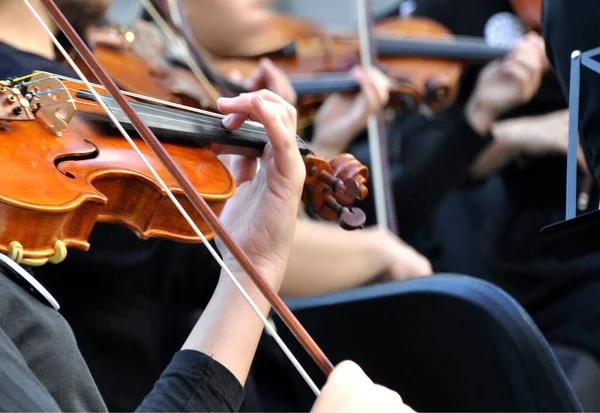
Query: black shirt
point(533, 187)
point(530, 194)
point(42, 369)
point(132, 303)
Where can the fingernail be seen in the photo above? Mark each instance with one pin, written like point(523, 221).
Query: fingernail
point(227, 120)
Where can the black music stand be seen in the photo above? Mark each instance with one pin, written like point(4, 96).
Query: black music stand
point(576, 236)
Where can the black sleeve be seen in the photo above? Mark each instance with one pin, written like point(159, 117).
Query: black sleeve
point(194, 382)
point(446, 148)
point(569, 25)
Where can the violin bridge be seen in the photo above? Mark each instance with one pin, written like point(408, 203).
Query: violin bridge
point(13, 105)
point(52, 99)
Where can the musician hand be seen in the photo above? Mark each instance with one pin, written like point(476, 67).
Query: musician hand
point(343, 116)
point(261, 216)
point(400, 260)
point(530, 136)
point(538, 135)
point(268, 76)
point(507, 83)
point(348, 389)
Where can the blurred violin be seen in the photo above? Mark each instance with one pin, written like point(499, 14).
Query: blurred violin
point(421, 55)
point(137, 60)
point(415, 51)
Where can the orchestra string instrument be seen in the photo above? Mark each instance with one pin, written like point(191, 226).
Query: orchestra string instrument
point(414, 51)
point(421, 55)
point(136, 58)
point(52, 142)
point(80, 172)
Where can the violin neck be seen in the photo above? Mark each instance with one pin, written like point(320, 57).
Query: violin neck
point(324, 83)
point(191, 129)
point(471, 51)
point(459, 50)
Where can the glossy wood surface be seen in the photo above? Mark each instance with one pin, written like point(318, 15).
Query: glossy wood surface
point(58, 187)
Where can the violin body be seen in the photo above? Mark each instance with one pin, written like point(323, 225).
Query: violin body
point(68, 183)
point(137, 60)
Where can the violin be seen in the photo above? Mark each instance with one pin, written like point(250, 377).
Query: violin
point(422, 56)
point(51, 187)
point(74, 171)
point(137, 60)
point(415, 51)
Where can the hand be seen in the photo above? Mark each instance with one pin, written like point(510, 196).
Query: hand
point(268, 76)
point(261, 216)
point(530, 136)
point(508, 83)
point(348, 389)
point(538, 135)
point(343, 116)
point(401, 261)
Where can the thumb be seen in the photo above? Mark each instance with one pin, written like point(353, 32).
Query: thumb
point(581, 162)
point(242, 168)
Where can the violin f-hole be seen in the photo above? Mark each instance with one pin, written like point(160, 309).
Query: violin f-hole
point(82, 156)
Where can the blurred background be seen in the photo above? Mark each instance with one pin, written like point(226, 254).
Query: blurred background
point(334, 14)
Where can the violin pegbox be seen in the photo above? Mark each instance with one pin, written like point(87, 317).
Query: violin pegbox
point(51, 98)
point(330, 193)
point(13, 105)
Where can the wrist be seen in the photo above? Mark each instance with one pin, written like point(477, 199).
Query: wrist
point(508, 135)
point(378, 241)
point(479, 116)
point(272, 277)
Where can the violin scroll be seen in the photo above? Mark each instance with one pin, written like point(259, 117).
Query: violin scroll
point(330, 192)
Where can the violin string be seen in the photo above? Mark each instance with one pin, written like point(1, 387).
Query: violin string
point(168, 115)
point(167, 103)
point(183, 49)
point(186, 216)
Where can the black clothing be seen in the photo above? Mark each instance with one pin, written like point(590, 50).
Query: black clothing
point(43, 370)
point(437, 161)
point(194, 382)
point(569, 26)
point(16, 63)
point(20, 389)
point(529, 194)
point(48, 347)
point(140, 299)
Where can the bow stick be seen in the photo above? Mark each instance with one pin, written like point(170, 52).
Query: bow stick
point(378, 141)
point(195, 199)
